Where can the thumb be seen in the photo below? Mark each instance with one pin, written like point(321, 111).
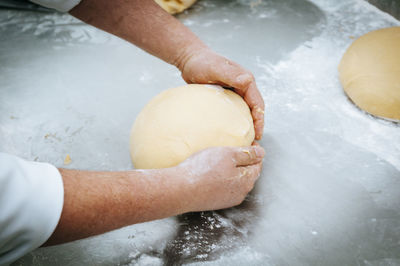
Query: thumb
point(244, 156)
point(234, 76)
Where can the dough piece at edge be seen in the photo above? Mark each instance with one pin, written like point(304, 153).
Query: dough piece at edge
point(175, 6)
point(370, 73)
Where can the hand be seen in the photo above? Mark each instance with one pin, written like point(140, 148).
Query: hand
point(220, 177)
point(96, 202)
point(204, 66)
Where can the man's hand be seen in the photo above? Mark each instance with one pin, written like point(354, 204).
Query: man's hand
point(97, 202)
point(146, 25)
point(218, 178)
point(205, 66)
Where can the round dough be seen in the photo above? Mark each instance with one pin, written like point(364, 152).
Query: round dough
point(181, 121)
point(370, 73)
point(175, 6)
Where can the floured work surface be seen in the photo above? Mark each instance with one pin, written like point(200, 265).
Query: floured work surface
point(329, 192)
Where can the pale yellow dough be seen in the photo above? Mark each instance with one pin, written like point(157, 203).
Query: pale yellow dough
point(175, 6)
point(370, 72)
point(181, 121)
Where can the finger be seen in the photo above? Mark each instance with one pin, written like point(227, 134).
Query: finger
point(256, 103)
point(255, 143)
point(251, 173)
point(243, 82)
point(258, 125)
point(245, 156)
point(234, 76)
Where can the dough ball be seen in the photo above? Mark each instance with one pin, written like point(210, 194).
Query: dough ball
point(181, 121)
point(370, 72)
point(175, 6)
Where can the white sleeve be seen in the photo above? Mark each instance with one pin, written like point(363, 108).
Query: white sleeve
point(31, 201)
point(60, 5)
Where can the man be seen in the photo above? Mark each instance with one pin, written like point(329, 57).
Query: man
point(40, 204)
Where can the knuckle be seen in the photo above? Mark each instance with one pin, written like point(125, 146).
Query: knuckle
point(253, 154)
point(245, 78)
point(251, 76)
point(248, 76)
point(239, 200)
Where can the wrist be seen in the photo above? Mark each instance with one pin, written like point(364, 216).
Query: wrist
point(189, 51)
point(163, 192)
point(179, 188)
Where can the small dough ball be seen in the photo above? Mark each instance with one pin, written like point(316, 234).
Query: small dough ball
point(181, 121)
point(175, 6)
point(370, 72)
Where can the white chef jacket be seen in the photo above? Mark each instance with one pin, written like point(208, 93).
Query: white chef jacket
point(60, 5)
point(31, 201)
point(31, 193)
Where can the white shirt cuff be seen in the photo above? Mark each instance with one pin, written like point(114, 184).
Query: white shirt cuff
point(31, 202)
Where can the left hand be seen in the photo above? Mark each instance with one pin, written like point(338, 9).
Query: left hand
point(206, 67)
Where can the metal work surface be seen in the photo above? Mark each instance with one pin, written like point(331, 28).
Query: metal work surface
point(329, 193)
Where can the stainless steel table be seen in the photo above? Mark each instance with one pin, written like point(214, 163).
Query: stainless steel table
point(329, 193)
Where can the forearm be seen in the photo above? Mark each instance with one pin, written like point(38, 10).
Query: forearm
point(97, 202)
point(143, 23)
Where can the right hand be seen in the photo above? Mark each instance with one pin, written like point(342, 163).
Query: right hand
point(203, 66)
point(220, 177)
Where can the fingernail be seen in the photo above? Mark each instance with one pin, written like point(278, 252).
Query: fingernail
point(259, 151)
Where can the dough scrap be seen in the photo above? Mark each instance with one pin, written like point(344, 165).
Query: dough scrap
point(175, 6)
point(67, 159)
point(181, 121)
point(370, 72)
